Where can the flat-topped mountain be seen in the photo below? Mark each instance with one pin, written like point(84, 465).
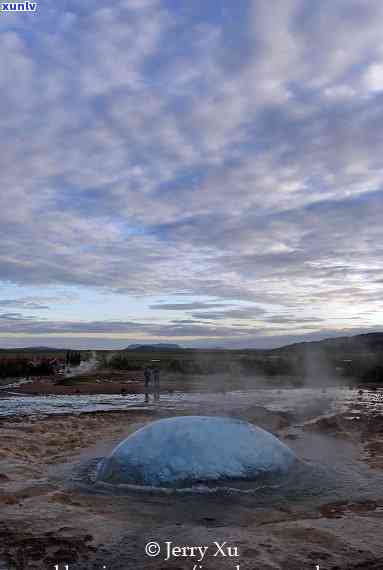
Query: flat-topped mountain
point(157, 346)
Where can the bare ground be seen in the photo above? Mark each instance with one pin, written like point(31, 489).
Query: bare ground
point(44, 520)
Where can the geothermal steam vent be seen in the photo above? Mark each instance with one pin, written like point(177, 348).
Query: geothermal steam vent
point(192, 449)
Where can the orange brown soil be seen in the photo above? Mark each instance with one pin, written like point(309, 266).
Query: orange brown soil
point(132, 382)
point(339, 508)
point(41, 521)
point(99, 383)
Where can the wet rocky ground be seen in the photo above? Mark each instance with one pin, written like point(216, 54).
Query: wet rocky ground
point(50, 514)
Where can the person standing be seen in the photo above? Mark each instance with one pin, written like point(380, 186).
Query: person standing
point(147, 376)
point(156, 379)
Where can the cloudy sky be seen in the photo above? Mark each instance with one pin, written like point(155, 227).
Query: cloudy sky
point(207, 173)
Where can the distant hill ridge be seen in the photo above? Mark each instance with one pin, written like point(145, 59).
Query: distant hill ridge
point(157, 346)
point(35, 349)
point(366, 341)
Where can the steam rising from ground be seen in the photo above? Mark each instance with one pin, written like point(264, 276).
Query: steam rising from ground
point(85, 367)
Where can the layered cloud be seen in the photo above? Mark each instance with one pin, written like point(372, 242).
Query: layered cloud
point(224, 153)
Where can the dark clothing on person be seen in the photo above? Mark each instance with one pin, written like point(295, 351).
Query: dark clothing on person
point(156, 380)
point(156, 377)
point(147, 376)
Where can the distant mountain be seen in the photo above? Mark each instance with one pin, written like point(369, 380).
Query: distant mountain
point(157, 346)
point(368, 342)
point(34, 349)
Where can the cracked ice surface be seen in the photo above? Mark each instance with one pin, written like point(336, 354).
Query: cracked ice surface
point(192, 449)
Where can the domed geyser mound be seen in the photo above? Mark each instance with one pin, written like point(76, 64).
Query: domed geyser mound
point(180, 451)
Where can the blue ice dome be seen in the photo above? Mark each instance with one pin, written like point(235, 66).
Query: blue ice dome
point(194, 449)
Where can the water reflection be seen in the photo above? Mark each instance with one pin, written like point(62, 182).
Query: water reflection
point(304, 399)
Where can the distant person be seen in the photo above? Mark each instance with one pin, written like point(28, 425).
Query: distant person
point(156, 377)
point(147, 376)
